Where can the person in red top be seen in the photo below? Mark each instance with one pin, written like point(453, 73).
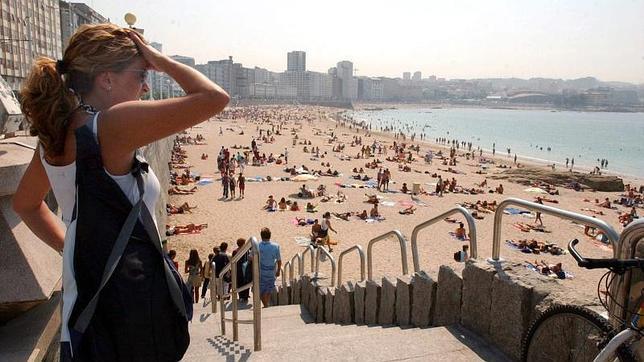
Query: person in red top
point(173, 254)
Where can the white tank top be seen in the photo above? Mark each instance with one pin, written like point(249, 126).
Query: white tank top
point(63, 183)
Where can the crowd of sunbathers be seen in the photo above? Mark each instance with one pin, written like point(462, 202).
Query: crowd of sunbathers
point(536, 247)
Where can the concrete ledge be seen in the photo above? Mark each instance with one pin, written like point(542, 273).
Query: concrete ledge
point(359, 300)
point(387, 309)
point(372, 302)
point(477, 297)
point(320, 294)
point(449, 294)
point(509, 314)
point(328, 305)
point(283, 293)
point(30, 336)
point(296, 291)
point(343, 304)
point(423, 293)
point(403, 301)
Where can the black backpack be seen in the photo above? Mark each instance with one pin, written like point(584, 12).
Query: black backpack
point(132, 303)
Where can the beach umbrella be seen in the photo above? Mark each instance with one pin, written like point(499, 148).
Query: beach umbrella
point(304, 178)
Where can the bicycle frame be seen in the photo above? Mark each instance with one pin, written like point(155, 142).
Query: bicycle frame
point(608, 353)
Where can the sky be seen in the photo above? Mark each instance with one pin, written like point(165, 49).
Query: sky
point(450, 38)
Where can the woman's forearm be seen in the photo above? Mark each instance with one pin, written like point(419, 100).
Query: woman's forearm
point(44, 224)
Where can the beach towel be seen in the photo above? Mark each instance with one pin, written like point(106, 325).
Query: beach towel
point(536, 190)
point(513, 211)
point(204, 182)
point(530, 266)
point(302, 240)
point(372, 220)
point(511, 245)
point(387, 203)
point(453, 235)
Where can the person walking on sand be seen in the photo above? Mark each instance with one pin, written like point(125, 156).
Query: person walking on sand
point(285, 156)
point(538, 217)
point(225, 183)
point(270, 265)
point(241, 183)
point(325, 226)
point(232, 184)
point(194, 269)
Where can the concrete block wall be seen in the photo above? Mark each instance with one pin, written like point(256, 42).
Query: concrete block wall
point(497, 303)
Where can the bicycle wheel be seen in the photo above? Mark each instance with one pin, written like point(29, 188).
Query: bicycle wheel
point(566, 333)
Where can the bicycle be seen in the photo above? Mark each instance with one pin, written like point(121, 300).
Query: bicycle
point(573, 333)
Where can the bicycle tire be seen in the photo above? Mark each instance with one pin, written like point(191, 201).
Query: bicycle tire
point(572, 343)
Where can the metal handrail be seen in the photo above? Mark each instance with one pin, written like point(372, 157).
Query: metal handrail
point(283, 273)
point(362, 262)
point(632, 234)
point(309, 248)
point(253, 245)
point(300, 264)
point(608, 230)
point(403, 251)
point(471, 224)
point(321, 250)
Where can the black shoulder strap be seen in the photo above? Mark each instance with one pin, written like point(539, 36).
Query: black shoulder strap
point(86, 315)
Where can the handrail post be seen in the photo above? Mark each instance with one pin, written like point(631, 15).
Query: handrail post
point(222, 306)
point(319, 251)
point(300, 265)
point(403, 251)
point(308, 249)
point(362, 262)
point(610, 233)
point(213, 291)
point(233, 297)
point(257, 307)
point(285, 268)
point(471, 225)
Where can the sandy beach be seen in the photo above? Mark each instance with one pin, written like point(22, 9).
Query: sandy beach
point(229, 219)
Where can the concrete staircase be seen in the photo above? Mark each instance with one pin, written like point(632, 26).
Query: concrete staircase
point(290, 334)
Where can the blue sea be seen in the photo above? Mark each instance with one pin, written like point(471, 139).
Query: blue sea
point(584, 136)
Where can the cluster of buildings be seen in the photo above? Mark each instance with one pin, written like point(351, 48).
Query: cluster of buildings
point(31, 28)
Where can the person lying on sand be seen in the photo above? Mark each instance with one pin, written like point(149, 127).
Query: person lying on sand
point(407, 211)
point(342, 215)
point(172, 209)
point(605, 203)
point(372, 198)
point(548, 269)
point(184, 229)
point(179, 191)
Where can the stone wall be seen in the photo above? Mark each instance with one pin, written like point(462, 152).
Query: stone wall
point(29, 262)
point(497, 302)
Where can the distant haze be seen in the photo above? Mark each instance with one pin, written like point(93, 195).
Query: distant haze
point(450, 39)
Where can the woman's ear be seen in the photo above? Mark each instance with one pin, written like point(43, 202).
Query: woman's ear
point(104, 81)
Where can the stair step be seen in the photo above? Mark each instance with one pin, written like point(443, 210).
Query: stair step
point(287, 336)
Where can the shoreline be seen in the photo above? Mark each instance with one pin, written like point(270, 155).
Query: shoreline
point(529, 160)
point(360, 106)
